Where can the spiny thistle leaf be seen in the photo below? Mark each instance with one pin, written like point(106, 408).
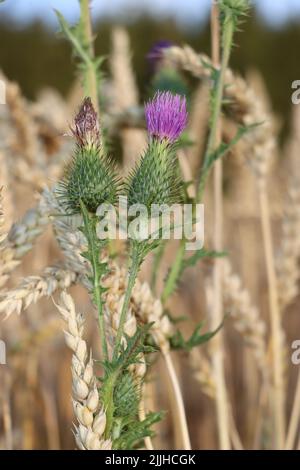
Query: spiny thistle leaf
point(126, 396)
point(135, 346)
point(192, 261)
point(223, 148)
point(135, 431)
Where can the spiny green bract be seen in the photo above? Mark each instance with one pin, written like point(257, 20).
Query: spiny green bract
point(234, 8)
point(126, 396)
point(156, 180)
point(90, 177)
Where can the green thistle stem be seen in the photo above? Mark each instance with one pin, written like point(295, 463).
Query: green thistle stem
point(133, 272)
point(228, 30)
point(156, 263)
point(96, 274)
point(90, 74)
point(174, 273)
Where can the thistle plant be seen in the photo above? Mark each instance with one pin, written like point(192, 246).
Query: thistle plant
point(91, 180)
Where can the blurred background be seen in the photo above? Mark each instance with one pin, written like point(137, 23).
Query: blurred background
point(34, 56)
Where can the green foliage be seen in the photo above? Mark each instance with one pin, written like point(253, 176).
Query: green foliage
point(198, 255)
point(90, 177)
point(81, 50)
point(186, 263)
point(120, 393)
point(155, 179)
point(233, 10)
point(134, 431)
point(224, 147)
point(178, 342)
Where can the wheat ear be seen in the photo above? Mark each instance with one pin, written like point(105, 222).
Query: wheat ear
point(287, 261)
point(33, 288)
point(90, 415)
point(20, 239)
point(245, 316)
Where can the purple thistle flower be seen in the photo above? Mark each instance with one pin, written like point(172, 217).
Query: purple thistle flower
point(86, 125)
point(166, 116)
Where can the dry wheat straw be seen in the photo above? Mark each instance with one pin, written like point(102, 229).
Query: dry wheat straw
point(26, 129)
point(287, 262)
point(245, 316)
point(125, 94)
point(90, 415)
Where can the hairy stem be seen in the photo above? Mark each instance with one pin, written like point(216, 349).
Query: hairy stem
point(96, 275)
point(133, 272)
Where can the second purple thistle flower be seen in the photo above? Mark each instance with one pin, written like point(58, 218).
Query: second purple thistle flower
point(166, 116)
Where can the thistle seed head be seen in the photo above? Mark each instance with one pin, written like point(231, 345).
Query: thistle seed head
point(166, 116)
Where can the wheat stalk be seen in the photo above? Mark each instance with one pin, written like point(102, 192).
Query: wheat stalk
point(125, 94)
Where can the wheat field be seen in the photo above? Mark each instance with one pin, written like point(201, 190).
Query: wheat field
point(236, 389)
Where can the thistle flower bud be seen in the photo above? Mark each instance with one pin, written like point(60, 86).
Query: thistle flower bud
point(90, 177)
point(166, 116)
point(86, 126)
